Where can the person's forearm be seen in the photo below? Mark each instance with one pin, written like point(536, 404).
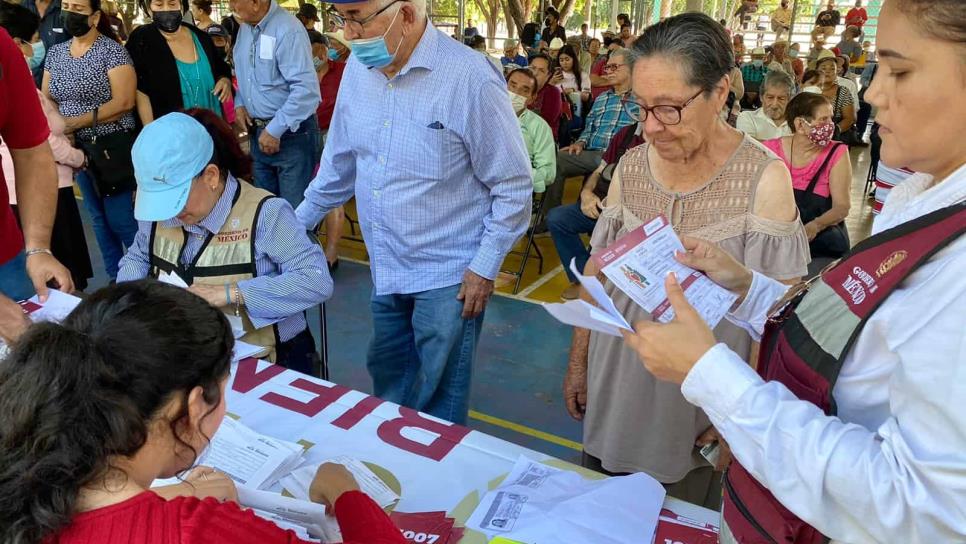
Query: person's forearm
point(599, 81)
point(302, 102)
point(591, 182)
point(579, 348)
point(36, 185)
point(110, 111)
point(145, 111)
point(834, 216)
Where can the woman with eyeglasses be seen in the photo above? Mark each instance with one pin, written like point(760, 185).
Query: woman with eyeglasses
point(709, 180)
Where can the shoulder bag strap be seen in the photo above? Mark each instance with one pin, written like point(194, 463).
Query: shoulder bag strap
point(818, 173)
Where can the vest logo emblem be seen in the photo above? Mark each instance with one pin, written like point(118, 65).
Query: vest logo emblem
point(890, 262)
point(235, 223)
point(233, 236)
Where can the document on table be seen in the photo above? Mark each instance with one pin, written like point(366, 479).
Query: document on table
point(298, 482)
point(540, 504)
point(244, 350)
point(57, 307)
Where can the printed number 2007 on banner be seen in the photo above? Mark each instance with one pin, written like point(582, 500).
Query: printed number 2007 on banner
point(420, 538)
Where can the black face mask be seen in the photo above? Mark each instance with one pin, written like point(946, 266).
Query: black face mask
point(168, 21)
point(76, 24)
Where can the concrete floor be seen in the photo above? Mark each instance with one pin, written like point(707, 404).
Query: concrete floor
point(523, 351)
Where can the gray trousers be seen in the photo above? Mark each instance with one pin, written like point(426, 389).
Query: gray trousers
point(568, 166)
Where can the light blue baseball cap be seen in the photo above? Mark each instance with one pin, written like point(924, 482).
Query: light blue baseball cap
point(169, 153)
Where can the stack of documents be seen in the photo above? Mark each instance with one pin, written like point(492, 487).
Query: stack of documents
point(250, 459)
point(540, 504)
point(637, 263)
point(306, 519)
point(172, 278)
point(55, 309)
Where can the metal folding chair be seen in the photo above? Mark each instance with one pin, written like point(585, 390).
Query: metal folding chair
point(536, 217)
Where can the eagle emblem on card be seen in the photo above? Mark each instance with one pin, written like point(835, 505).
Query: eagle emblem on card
point(890, 262)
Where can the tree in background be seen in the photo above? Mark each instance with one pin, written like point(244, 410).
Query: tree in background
point(491, 14)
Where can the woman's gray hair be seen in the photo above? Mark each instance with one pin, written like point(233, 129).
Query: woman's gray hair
point(626, 54)
point(695, 42)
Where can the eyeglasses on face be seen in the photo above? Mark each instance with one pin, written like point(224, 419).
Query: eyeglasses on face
point(358, 27)
point(665, 113)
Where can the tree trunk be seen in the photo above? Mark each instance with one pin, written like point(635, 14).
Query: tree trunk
point(565, 7)
point(510, 25)
point(588, 12)
point(518, 13)
point(491, 14)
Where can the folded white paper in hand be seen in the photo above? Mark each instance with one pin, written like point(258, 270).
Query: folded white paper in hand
point(604, 318)
point(300, 480)
point(172, 278)
point(304, 517)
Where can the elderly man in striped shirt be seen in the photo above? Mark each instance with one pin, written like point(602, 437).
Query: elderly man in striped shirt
point(424, 136)
point(607, 116)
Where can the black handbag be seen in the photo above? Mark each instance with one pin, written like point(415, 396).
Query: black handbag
point(833, 241)
point(848, 137)
point(109, 160)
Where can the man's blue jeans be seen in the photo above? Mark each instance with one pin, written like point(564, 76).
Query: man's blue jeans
point(14, 282)
point(113, 220)
point(288, 172)
point(422, 352)
point(566, 224)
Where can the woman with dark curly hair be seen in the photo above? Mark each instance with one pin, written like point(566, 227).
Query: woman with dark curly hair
point(130, 388)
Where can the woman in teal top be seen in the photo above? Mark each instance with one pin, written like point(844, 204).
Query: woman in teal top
point(197, 83)
point(178, 66)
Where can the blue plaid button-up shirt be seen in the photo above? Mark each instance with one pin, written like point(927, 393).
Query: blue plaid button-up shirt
point(606, 117)
point(436, 161)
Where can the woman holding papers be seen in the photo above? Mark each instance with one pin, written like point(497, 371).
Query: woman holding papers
point(854, 426)
point(709, 180)
point(238, 247)
point(128, 389)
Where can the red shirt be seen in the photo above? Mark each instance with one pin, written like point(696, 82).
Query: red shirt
point(22, 126)
point(856, 17)
point(549, 104)
point(329, 85)
point(149, 519)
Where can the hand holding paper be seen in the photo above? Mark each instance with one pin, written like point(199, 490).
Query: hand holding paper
point(670, 350)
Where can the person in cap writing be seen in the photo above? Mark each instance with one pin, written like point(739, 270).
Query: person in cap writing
point(239, 248)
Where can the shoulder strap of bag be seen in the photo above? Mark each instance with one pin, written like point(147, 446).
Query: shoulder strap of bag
point(818, 173)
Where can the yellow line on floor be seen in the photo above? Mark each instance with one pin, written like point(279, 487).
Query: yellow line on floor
point(523, 429)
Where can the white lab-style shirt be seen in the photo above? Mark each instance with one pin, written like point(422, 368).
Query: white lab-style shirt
point(759, 126)
point(891, 467)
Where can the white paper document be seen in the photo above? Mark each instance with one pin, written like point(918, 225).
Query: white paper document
point(249, 458)
point(304, 517)
point(244, 350)
point(172, 278)
point(540, 504)
point(298, 482)
point(57, 308)
point(638, 262)
point(604, 318)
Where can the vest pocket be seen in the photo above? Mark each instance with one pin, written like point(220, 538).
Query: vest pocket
point(756, 517)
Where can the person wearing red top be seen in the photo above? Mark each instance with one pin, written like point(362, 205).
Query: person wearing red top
point(23, 127)
point(549, 101)
point(329, 70)
point(127, 389)
point(856, 16)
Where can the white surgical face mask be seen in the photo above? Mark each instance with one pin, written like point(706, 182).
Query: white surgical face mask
point(518, 102)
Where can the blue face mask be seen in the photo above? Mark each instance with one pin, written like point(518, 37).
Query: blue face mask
point(317, 63)
point(536, 39)
point(40, 50)
point(373, 52)
point(333, 54)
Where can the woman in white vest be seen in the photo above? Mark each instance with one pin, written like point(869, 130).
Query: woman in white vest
point(238, 247)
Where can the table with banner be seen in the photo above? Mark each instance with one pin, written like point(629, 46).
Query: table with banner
point(432, 464)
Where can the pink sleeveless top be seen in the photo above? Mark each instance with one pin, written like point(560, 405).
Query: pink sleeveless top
point(802, 176)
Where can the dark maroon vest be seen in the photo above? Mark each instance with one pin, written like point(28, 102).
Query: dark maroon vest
point(805, 344)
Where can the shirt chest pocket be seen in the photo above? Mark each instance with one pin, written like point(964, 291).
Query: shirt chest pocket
point(431, 151)
point(267, 74)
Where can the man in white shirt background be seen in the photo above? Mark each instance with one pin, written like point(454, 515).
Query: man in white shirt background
point(768, 122)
